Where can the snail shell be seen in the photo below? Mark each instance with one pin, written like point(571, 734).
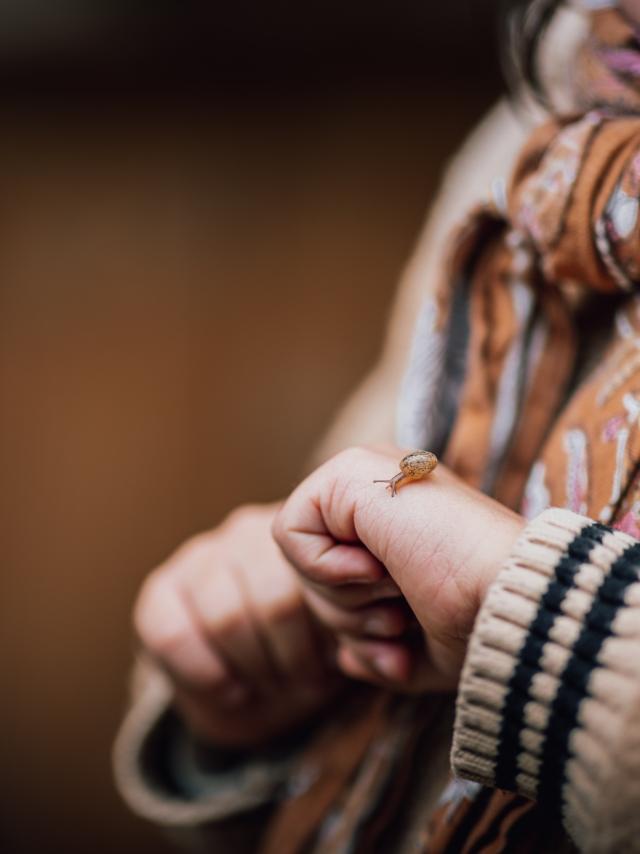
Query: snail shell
point(417, 464)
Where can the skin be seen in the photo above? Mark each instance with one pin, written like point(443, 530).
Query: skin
point(441, 542)
point(250, 633)
point(229, 622)
point(225, 618)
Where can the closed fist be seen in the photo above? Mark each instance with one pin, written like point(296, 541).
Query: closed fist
point(225, 618)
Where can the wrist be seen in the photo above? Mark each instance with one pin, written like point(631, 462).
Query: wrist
point(501, 532)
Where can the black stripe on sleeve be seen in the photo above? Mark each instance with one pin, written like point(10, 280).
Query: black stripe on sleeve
point(528, 665)
point(575, 679)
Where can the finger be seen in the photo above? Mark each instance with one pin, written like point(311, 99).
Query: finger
point(382, 662)
point(356, 595)
point(406, 667)
point(322, 560)
point(384, 620)
point(281, 616)
point(168, 632)
point(327, 555)
point(217, 602)
point(353, 667)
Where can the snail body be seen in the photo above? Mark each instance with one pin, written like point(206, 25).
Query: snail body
point(413, 466)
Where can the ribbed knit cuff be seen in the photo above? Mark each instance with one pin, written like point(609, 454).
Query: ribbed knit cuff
point(149, 757)
point(549, 700)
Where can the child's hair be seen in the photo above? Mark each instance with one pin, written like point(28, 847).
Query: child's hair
point(524, 23)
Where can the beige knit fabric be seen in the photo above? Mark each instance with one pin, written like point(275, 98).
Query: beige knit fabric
point(511, 697)
point(235, 795)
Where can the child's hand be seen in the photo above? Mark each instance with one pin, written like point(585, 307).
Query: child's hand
point(225, 618)
point(439, 540)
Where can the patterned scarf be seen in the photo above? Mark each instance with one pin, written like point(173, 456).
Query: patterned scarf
point(496, 347)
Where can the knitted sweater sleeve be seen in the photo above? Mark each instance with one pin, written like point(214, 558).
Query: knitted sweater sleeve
point(209, 800)
point(549, 700)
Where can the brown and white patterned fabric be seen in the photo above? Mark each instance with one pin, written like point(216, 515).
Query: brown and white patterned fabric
point(497, 346)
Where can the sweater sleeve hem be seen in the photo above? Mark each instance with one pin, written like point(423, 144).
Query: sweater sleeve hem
point(152, 796)
point(551, 671)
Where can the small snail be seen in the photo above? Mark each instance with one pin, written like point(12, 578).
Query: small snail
point(414, 466)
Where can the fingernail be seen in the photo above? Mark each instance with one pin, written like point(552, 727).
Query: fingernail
point(388, 588)
point(235, 694)
point(387, 666)
point(376, 626)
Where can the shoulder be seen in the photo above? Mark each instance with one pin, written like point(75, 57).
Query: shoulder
point(486, 156)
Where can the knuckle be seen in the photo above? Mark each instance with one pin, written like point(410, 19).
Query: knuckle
point(353, 451)
point(192, 551)
point(242, 516)
point(279, 611)
point(221, 629)
point(223, 624)
point(161, 637)
point(150, 596)
point(197, 548)
point(165, 641)
point(347, 456)
point(200, 583)
point(356, 453)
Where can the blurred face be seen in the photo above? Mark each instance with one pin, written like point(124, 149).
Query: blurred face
point(631, 9)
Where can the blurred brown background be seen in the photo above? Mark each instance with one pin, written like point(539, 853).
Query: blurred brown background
point(203, 217)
